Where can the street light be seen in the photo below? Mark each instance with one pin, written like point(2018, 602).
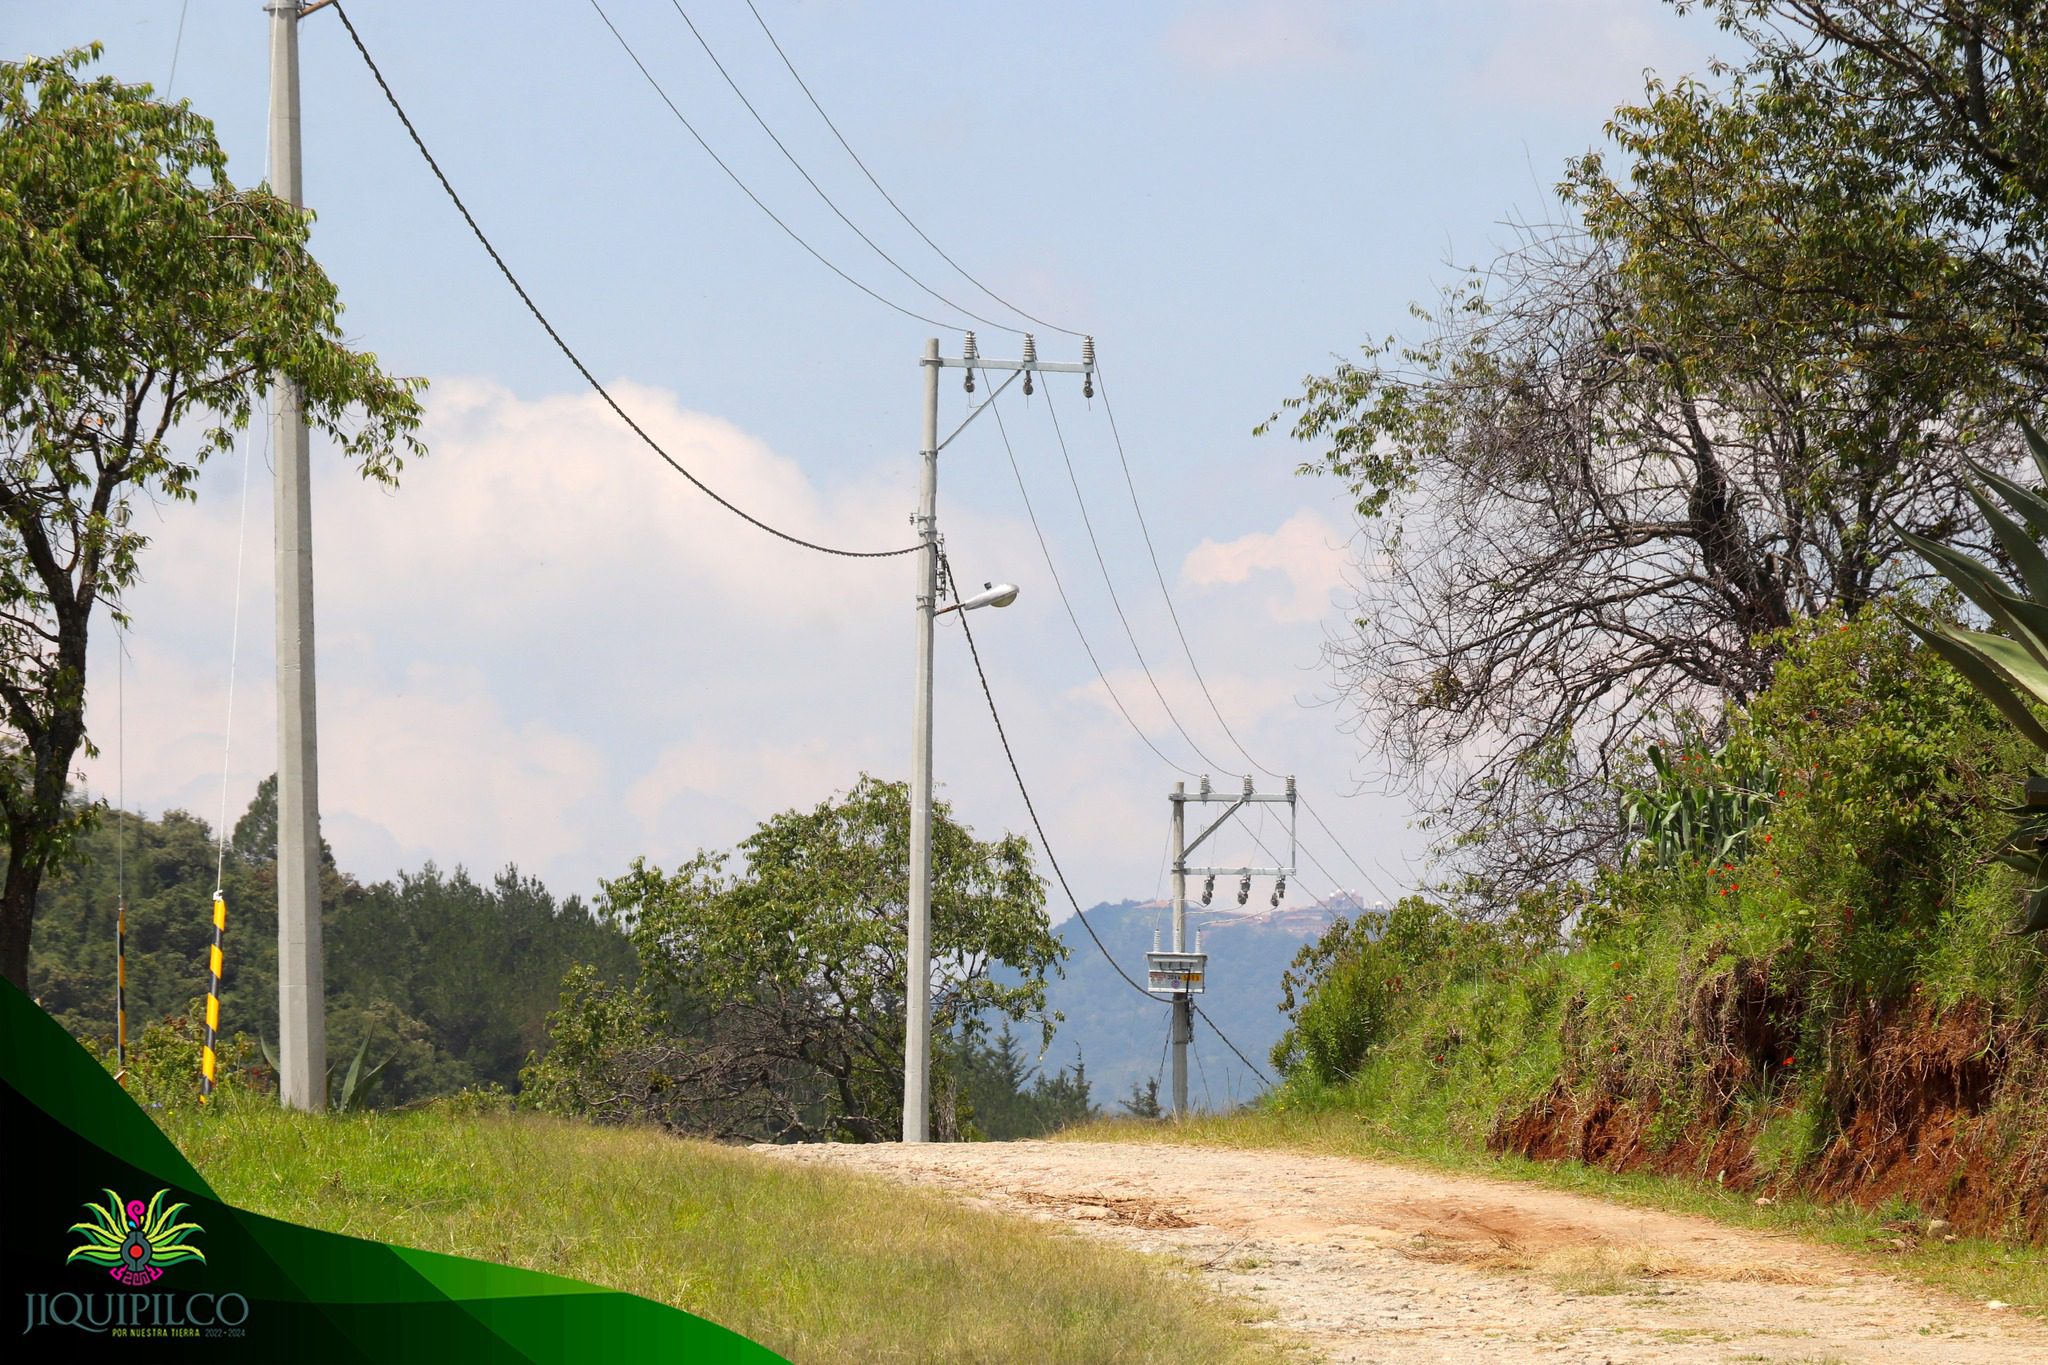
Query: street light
point(917, 1039)
point(917, 972)
point(991, 595)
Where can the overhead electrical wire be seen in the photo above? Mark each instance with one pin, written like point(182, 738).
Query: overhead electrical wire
point(1130, 484)
point(1115, 601)
point(1066, 602)
point(1253, 1066)
point(1045, 843)
point(1336, 889)
point(562, 345)
point(1088, 649)
point(889, 198)
point(733, 176)
point(1108, 407)
point(1025, 792)
point(790, 157)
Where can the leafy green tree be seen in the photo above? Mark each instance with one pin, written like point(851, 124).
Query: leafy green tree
point(146, 304)
point(1144, 1099)
point(794, 967)
point(1627, 457)
point(1948, 101)
point(1010, 1096)
point(449, 979)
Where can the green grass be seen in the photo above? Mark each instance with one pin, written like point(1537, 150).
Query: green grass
point(818, 1265)
point(1976, 1268)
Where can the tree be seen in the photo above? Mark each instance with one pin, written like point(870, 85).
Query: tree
point(1144, 1100)
point(451, 977)
point(146, 304)
point(784, 984)
point(1949, 98)
point(1631, 452)
point(1011, 1097)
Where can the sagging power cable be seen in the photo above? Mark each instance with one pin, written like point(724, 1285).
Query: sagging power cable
point(889, 198)
point(759, 203)
point(1025, 792)
point(1045, 843)
point(563, 346)
point(790, 157)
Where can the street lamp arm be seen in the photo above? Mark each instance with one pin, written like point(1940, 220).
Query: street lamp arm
point(991, 595)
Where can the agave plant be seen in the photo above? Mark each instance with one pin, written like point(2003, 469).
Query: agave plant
point(2010, 669)
point(353, 1090)
point(1689, 814)
point(135, 1241)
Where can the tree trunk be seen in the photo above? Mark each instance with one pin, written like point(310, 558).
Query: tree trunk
point(17, 913)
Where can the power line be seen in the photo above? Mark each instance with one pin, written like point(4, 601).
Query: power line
point(1370, 879)
point(733, 176)
point(1046, 843)
point(562, 345)
point(1109, 411)
point(1103, 565)
point(1158, 573)
point(1336, 889)
point(1025, 792)
point(1074, 619)
point(790, 157)
point(177, 46)
point(1066, 602)
point(890, 199)
point(1249, 1063)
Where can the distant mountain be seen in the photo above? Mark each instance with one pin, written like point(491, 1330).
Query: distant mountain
point(1121, 1035)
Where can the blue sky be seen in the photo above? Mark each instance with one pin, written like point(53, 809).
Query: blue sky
point(545, 648)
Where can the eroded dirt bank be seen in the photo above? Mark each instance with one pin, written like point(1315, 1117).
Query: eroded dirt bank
point(1371, 1262)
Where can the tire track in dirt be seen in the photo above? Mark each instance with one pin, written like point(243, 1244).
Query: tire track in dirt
point(1370, 1262)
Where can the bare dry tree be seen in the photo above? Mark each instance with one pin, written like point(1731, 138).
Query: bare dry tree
point(1585, 529)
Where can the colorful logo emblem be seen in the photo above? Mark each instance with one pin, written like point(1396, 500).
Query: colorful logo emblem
point(134, 1240)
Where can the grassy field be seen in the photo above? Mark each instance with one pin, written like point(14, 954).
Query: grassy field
point(1974, 1267)
point(817, 1265)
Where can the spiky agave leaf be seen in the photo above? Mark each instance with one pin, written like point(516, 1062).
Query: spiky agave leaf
point(1972, 657)
point(2017, 542)
point(95, 1254)
point(2037, 447)
point(2029, 505)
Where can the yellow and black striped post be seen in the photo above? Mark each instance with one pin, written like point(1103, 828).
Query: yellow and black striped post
point(121, 990)
point(207, 1061)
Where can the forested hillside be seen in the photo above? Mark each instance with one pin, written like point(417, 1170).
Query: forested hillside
point(449, 978)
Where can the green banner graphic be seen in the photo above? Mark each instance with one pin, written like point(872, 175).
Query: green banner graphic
point(116, 1249)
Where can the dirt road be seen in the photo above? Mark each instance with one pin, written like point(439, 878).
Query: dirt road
point(1370, 1262)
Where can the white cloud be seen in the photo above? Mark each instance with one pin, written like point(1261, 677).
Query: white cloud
point(1305, 551)
point(546, 648)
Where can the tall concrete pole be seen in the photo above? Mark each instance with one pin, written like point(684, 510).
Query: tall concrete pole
point(1183, 1013)
point(917, 971)
point(301, 982)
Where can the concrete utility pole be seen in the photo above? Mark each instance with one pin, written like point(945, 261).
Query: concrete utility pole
point(917, 971)
point(917, 1038)
point(301, 982)
point(1183, 1027)
point(1182, 972)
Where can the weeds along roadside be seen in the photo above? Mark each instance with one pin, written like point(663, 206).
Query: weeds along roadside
point(1828, 1010)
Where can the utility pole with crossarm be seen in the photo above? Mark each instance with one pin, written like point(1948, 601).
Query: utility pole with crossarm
point(1181, 973)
